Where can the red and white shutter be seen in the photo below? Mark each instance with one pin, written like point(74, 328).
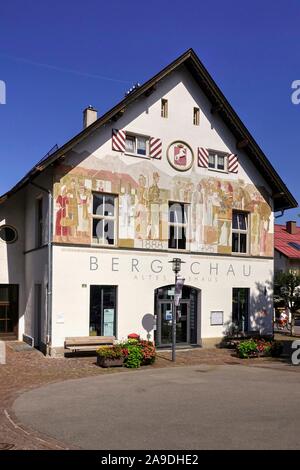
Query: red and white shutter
point(118, 140)
point(233, 163)
point(202, 157)
point(155, 148)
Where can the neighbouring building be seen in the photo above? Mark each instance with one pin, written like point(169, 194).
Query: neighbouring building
point(171, 171)
point(287, 247)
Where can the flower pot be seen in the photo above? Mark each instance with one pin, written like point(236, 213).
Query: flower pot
point(108, 362)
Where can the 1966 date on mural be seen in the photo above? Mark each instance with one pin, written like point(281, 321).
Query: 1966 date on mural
point(151, 459)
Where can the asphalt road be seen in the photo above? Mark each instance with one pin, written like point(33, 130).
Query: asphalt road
point(199, 407)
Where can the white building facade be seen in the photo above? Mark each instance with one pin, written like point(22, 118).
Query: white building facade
point(88, 234)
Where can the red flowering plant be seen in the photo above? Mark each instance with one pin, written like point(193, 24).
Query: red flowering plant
point(148, 351)
point(258, 347)
point(143, 350)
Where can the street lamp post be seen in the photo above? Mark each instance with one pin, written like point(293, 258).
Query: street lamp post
point(176, 267)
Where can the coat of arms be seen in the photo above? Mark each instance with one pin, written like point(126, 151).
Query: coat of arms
point(180, 156)
point(180, 152)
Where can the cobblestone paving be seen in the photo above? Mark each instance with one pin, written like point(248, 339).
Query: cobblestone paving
point(25, 370)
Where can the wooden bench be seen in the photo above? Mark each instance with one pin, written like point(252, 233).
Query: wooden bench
point(88, 343)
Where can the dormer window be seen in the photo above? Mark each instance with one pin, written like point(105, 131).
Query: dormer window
point(164, 108)
point(196, 116)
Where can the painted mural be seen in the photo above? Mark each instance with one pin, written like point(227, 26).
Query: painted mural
point(142, 209)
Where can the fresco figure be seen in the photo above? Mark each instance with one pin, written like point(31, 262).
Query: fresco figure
point(62, 201)
point(126, 214)
point(153, 205)
point(197, 215)
point(83, 211)
point(255, 231)
point(141, 209)
point(73, 207)
point(224, 234)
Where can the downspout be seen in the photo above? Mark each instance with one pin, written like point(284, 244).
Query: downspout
point(49, 283)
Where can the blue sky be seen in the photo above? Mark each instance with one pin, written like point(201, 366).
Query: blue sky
point(58, 57)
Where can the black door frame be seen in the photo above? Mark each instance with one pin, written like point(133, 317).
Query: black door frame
point(15, 331)
point(157, 312)
point(101, 286)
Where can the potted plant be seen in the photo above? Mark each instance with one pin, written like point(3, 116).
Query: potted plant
point(110, 356)
point(258, 347)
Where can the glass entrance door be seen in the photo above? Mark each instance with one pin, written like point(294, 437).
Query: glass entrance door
point(182, 323)
point(187, 316)
point(164, 322)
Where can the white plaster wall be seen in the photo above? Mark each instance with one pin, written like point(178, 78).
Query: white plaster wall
point(11, 255)
point(35, 260)
point(143, 117)
point(73, 276)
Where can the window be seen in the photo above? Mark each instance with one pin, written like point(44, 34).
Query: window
point(104, 219)
point(164, 108)
point(39, 222)
point(240, 308)
point(136, 145)
point(240, 228)
point(216, 161)
point(178, 225)
point(103, 310)
point(196, 116)
point(8, 234)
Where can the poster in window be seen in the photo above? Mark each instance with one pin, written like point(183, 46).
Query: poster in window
point(168, 315)
point(108, 322)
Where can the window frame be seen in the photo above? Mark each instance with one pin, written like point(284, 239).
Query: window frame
point(196, 116)
point(102, 287)
point(115, 218)
point(237, 318)
point(164, 108)
point(185, 225)
point(239, 231)
point(135, 137)
point(217, 153)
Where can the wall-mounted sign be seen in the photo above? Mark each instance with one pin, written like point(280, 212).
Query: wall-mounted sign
point(216, 318)
point(180, 156)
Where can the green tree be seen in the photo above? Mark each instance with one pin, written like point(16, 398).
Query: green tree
point(287, 287)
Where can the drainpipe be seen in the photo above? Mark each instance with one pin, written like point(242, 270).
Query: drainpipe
point(49, 283)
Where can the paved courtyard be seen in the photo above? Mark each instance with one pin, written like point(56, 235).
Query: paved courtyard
point(196, 407)
point(206, 391)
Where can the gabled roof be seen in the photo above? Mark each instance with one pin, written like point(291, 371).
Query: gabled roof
point(286, 243)
point(283, 199)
